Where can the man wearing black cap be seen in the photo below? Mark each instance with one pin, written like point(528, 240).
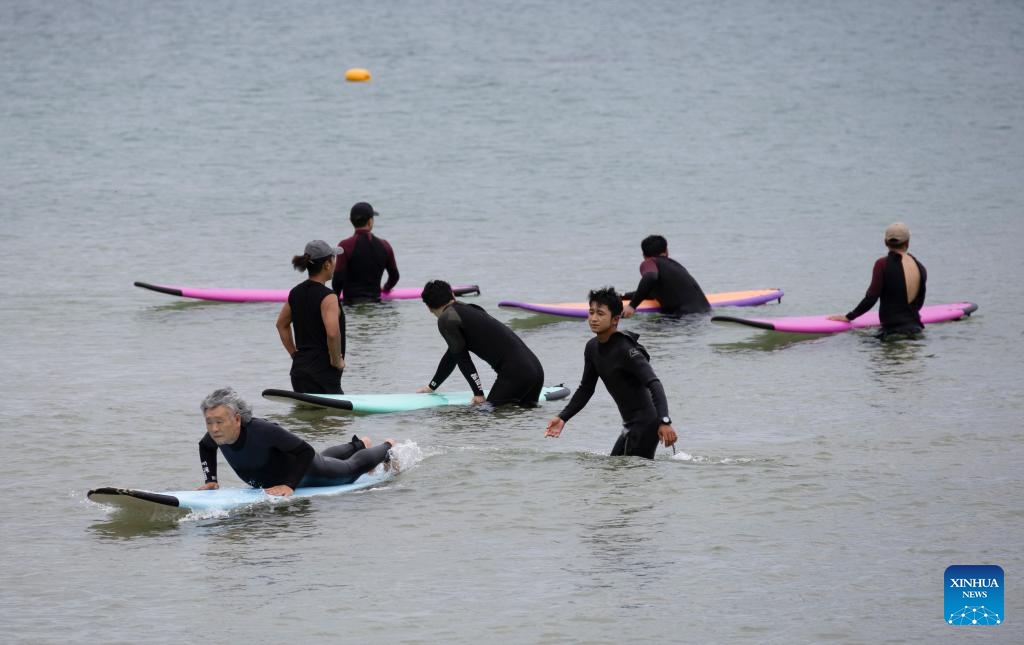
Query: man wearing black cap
point(365, 257)
point(898, 281)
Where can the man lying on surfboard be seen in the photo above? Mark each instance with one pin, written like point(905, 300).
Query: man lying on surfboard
point(265, 455)
point(898, 279)
point(623, 365)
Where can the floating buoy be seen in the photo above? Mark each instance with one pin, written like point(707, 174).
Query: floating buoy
point(357, 75)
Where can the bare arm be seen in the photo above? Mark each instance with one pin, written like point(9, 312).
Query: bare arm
point(284, 329)
point(330, 312)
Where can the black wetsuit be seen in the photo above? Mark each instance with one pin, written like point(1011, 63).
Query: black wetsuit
point(312, 372)
point(468, 328)
point(623, 365)
point(358, 270)
point(889, 284)
point(668, 282)
point(266, 455)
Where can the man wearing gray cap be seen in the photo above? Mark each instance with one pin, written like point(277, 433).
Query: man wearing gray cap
point(898, 281)
point(317, 347)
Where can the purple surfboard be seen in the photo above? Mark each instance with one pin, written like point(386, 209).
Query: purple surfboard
point(822, 325)
point(580, 309)
point(281, 295)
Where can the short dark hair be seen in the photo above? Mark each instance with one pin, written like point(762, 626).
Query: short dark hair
point(653, 245)
point(437, 293)
point(608, 297)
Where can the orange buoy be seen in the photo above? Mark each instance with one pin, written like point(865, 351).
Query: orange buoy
point(357, 75)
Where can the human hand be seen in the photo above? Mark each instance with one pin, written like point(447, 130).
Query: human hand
point(477, 400)
point(555, 426)
point(839, 318)
point(424, 390)
point(627, 312)
point(209, 486)
point(281, 490)
point(667, 435)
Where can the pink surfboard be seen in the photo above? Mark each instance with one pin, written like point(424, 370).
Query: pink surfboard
point(580, 309)
point(281, 295)
point(822, 325)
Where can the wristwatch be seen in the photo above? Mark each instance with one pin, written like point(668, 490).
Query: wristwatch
point(666, 421)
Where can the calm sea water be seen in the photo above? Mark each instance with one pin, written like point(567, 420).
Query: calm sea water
point(822, 484)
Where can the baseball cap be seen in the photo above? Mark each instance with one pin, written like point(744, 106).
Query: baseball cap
point(361, 213)
point(318, 249)
point(897, 233)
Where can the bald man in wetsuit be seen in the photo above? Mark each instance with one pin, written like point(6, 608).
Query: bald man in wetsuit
point(468, 328)
point(898, 280)
point(623, 365)
point(265, 455)
point(667, 281)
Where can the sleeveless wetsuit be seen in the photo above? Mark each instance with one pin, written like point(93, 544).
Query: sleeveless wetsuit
point(889, 284)
point(266, 455)
point(359, 269)
point(668, 282)
point(468, 328)
point(622, 364)
point(312, 372)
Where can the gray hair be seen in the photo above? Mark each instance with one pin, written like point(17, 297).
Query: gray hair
point(227, 397)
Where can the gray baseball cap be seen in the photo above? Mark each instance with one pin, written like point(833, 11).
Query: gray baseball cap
point(318, 249)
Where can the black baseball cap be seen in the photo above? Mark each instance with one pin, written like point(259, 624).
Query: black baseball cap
point(361, 213)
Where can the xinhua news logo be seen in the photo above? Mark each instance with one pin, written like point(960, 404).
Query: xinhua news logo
point(974, 595)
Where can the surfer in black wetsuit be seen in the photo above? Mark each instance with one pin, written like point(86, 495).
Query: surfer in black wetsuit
point(623, 365)
point(366, 257)
point(318, 346)
point(468, 328)
point(666, 281)
point(265, 455)
point(898, 280)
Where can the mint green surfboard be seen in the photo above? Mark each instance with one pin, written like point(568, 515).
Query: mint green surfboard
point(384, 403)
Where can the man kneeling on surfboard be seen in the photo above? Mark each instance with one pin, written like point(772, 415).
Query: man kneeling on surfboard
point(624, 367)
point(265, 455)
point(468, 328)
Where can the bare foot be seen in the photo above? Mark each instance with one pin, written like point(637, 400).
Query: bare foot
point(366, 442)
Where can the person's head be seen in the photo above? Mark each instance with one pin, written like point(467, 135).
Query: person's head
point(897, 236)
point(605, 310)
point(362, 215)
point(437, 294)
point(225, 412)
point(318, 256)
point(654, 245)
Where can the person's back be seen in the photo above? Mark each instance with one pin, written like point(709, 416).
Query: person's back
point(667, 281)
point(898, 283)
point(469, 326)
point(676, 290)
point(364, 260)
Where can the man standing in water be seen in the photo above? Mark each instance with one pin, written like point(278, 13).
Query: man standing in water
point(265, 455)
point(365, 257)
point(667, 281)
point(898, 280)
point(468, 328)
point(622, 364)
